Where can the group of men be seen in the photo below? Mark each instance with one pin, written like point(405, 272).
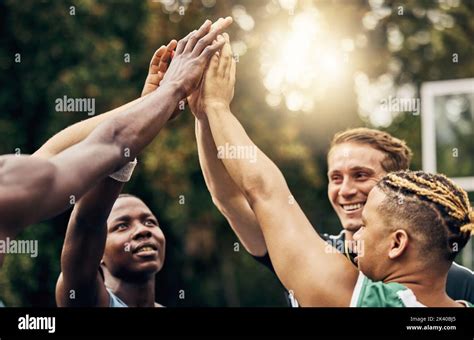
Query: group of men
point(401, 229)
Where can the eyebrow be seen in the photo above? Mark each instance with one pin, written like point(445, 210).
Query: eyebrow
point(122, 218)
point(358, 168)
point(141, 216)
point(355, 168)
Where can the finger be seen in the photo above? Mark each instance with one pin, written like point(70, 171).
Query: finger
point(222, 24)
point(214, 64)
point(172, 45)
point(154, 78)
point(217, 24)
point(231, 56)
point(226, 57)
point(208, 39)
point(167, 55)
point(182, 43)
point(165, 61)
point(202, 31)
point(233, 67)
point(210, 50)
point(157, 56)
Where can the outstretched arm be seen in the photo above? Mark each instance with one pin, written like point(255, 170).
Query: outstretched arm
point(79, 131)
point(114, 142)
point(227, 197)
point(80, 283)
point(300, 257)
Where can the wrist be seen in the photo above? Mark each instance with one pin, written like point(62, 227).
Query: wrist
point(217, 107)
point(176, 90)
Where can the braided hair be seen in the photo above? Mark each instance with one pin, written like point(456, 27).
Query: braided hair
point(434, 207)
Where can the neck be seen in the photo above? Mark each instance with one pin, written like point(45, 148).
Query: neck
point(133, 293)
point(428, 286)
point(349, 235)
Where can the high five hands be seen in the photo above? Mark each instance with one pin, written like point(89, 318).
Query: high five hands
point(193, 55)
point(217, 87)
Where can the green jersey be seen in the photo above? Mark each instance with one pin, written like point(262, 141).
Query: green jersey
point(378, 294)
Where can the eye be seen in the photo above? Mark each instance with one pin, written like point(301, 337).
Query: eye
point(361, 175)
point(336, 178)
point(150, 222)
point(121, 226)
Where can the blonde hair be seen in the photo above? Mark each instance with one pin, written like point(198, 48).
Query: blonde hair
point(397, 153)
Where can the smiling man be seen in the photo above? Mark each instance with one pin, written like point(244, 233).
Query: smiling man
point(357, 160)
point(114, 266)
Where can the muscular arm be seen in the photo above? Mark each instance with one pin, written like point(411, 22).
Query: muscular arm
point(299, 255)
point(84, 246)
point(79, 131)
point(227, 197)
point(110, 145)
point(26, 182)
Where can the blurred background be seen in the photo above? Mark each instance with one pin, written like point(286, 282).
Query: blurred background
point(306, 69)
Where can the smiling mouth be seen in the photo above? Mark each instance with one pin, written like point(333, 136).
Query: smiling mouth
point(352, 207)
point(146, 250)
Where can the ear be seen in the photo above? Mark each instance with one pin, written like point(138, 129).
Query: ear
point(398, 243)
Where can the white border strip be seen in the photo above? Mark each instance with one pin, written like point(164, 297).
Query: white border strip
point(428, 130)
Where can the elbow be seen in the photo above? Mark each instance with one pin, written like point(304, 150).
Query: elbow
point(224, 205)
point(263, 187)
point(112, 134)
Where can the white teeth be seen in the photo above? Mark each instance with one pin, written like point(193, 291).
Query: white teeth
point(350, 207)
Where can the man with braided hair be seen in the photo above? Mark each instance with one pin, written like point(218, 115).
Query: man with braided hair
point(415, 223)
point(393, 256)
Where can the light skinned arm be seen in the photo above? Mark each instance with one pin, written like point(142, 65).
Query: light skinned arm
point(227, 197)
point(300, 257)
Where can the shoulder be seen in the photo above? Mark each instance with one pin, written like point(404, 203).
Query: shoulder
point(368, 293)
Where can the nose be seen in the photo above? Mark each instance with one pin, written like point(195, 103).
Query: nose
point(141, 231)
point(347, 188)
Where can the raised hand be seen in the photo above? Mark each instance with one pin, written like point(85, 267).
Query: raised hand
point(217, 88)
point(158, 66)
point(192, 57)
